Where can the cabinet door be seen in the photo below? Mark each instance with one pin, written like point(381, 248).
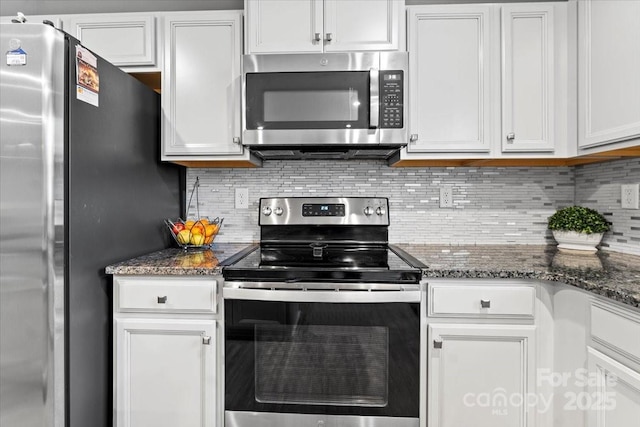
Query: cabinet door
point(201, 84)
point(122, 39)
point(284, 26)
point(449, 73)
point(613, 399)
point(608, 70)
point(527, 78)
point(347, 27)
point(165, 373)
point(478, 374)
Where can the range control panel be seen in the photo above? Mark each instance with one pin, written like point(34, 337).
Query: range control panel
point(324, 211)
point(391, 99)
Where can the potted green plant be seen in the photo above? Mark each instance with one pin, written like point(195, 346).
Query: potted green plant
point(578, 228)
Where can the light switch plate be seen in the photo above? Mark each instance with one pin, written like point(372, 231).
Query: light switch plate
point(630, 196)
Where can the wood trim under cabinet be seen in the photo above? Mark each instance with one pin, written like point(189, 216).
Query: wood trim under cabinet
point(604, 156)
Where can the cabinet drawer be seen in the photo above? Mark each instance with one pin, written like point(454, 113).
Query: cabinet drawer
point(165, 294)
point(616, 329)
point(482, 301)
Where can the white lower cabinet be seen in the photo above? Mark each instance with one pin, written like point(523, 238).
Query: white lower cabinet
point(166, 352)
point(481, 353)
point(480, 375)
point(165, 372)
point(613, 396)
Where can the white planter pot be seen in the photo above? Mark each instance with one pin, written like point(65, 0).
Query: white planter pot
point(573, 240)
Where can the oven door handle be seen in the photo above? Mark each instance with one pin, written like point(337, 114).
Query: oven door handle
point(330, 296)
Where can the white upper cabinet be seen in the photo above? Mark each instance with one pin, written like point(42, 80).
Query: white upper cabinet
point(527, 77)
point(201, 86)
point(312, 26)
point(608, 71)
point(484, 79)
point(124, 39)
point(450, 77)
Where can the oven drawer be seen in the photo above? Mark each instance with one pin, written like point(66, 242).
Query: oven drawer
point(165, 294)
point(481, 301)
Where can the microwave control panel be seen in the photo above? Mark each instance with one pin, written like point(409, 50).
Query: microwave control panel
point(391, 99)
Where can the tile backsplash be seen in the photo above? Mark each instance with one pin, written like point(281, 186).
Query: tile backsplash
point(598, 187)
point(491, 205)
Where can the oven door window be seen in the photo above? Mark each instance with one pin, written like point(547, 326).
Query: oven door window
point(307, 100)
point(340, 365)
point(322, 358)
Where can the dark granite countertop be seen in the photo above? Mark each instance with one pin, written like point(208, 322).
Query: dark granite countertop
point(175, 261)
point(610, 274)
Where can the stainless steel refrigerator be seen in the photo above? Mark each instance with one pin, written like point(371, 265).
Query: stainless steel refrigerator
point(81, 187)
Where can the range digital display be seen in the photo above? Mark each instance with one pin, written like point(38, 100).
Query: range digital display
point(323, 209)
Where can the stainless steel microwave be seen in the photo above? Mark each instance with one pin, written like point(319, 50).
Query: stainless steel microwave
point(354, 100)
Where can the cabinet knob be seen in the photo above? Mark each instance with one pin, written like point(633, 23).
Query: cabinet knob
point(162, 300)
point(236, 140)
point(437, 343)
point(206, 340)
point(329, 37)
point(317, 38)
point(510, 137)
point(413, 137)
point(485, 303)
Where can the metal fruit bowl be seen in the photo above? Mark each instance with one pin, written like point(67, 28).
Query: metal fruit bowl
point(194, 233)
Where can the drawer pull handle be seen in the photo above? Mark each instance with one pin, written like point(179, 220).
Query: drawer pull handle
point(162, 300)
point(437, 343)
point(485, 303)
point(206, 340)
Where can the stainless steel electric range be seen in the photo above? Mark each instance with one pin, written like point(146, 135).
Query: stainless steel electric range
point(322, 319)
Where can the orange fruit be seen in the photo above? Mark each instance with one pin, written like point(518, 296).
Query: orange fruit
point(204, 221)
point(210, 230)
point(197, 228)
point(189, 224)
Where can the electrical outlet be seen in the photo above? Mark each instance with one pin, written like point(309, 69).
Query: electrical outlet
point(446, 197)
point(242, 198)
point(630, 196)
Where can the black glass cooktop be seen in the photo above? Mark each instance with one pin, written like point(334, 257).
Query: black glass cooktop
point(320, 262)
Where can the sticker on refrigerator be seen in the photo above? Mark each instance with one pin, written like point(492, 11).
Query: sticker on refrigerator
point(87, 77)
point(16, 56)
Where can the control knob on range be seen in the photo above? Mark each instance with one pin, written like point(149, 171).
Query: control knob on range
point(380, 211)
point(368, 211)
point(266, 211)
point(278, 211)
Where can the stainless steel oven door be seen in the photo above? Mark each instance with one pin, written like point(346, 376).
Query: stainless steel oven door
point(317, 355)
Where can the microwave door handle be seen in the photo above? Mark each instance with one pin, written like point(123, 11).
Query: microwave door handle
point(374, 97)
